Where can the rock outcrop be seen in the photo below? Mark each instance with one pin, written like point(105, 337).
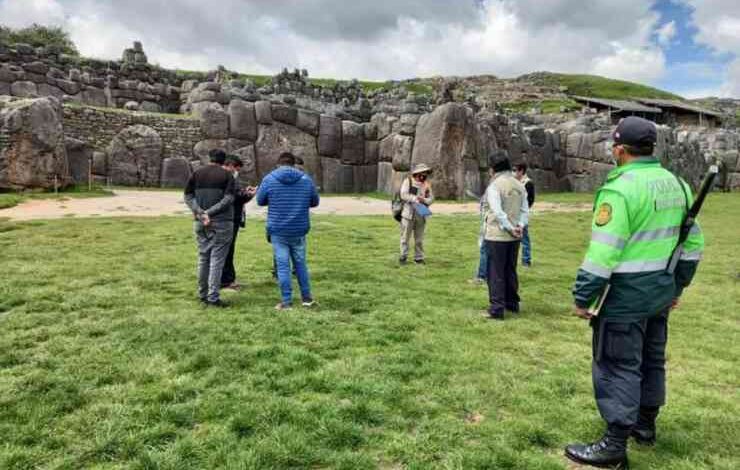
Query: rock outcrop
point(32, 145)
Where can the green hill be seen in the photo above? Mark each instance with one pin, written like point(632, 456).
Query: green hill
point(597, 87)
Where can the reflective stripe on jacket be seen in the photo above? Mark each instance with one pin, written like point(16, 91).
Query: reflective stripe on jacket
point(637, 217)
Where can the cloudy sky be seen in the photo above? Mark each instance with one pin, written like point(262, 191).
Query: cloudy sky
point(691, 47)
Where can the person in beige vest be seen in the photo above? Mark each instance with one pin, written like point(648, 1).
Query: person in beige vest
point(416, 191)
point(504, 224)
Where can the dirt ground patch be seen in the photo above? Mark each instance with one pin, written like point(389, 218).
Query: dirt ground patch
point(127, 203)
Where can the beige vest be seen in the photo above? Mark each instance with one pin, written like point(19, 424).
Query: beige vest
point(512, 194)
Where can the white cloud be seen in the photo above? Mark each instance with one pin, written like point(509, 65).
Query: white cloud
point(641, 64)
point(666, 33)
point(718, 27)
point(731, 86)
point(18, 13)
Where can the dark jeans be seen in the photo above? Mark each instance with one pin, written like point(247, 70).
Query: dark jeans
point(503, 282)
point(483, 262)
point(526, 246)
point(628, 367)
point(229, 274)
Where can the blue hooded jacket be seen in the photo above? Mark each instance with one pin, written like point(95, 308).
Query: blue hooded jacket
point(288, 193)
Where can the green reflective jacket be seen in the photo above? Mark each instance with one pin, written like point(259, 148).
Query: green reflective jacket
point(637, 217)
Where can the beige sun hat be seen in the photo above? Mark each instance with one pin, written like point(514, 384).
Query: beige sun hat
point(421, 168)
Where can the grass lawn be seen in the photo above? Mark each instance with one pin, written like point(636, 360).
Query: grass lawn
point(107, 361)
point(13, 199)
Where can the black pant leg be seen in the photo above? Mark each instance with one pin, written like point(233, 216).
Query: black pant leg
point(653, 361)
point(229, 272)
point(616, 370)
point(497, 264)
point(512, 278)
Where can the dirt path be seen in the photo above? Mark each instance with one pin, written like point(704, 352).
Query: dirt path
point(126, 203)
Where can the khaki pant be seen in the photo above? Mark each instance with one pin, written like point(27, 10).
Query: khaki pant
point(415, 226)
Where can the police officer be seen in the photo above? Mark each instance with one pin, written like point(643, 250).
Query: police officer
point(637, 217)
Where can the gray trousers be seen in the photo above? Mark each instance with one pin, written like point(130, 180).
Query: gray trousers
point(213, 248)
point(416, 227)
point(628, 367)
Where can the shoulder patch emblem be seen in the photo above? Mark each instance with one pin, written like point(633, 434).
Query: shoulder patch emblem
point(604, 214)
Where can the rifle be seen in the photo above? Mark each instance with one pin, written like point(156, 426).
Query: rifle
point(690, 218)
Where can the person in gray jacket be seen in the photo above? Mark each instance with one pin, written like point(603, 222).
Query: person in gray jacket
point(210, 196)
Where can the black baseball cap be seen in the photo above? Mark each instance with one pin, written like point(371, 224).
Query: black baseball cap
point(635, 131)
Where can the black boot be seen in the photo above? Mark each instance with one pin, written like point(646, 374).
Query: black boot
point(644, 430)
point(608, 452)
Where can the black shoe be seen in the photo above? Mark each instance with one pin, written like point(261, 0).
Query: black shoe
point(217, 304)
point(420, 261)
point(496, 316)
point(644, 431)
point(402, 261)
point(513, 308)
point(608, 452)
point(643, 436)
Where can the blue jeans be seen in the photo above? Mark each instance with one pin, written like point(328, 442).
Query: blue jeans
point(483, 262)
point(526, 247)
point(285, 250)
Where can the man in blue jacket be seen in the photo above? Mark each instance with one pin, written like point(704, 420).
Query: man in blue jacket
point(288, 194)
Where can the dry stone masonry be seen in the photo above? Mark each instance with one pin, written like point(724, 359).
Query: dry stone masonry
point(65, 118)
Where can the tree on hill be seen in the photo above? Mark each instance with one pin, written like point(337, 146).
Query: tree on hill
point(39, 35)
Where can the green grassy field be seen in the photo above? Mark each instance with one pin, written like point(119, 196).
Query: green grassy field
point(107, 361)
point(13, 199)
point(602, 87)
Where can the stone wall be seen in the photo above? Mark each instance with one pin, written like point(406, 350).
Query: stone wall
point(131, 82)
point(97, 127)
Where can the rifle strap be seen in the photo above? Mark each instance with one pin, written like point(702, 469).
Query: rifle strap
point(685, 194)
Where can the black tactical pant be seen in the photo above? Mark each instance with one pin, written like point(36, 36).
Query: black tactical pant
point(628, 367)
point(503, 282)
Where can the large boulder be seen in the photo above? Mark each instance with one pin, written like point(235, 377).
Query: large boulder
point(79, 158)
point(372, 151)
point(263, 110)
point(365, 178)
point(242, 120)
point(202, 149)
point(353, 143)
point(248, 173)
point(24, 89)
point(308, 121)
point(135, 156)
point(278, 138)
point(34, 152)
point(330, 136)
point(285, 114)
point(214, 122)
point(398, 149)
point(389, 180)
point(175, 172)
point(336, 176)
point(444, 138)
point(94, 97)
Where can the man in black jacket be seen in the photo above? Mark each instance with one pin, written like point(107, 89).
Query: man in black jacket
point(241, 197)
point(520, 171)
point(210, 196)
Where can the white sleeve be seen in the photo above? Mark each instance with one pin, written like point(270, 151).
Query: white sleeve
point(524, 213)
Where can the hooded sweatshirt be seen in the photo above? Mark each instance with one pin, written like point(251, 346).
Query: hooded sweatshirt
point(288, 193)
